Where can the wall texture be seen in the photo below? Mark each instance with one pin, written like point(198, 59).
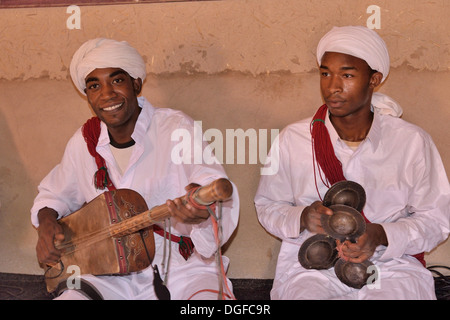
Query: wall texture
point(246, 64)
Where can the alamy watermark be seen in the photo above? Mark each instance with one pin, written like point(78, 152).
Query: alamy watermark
point(374, 279)
point(74, 281)
point(73, 22)
point(374, 20)
point(212, 146)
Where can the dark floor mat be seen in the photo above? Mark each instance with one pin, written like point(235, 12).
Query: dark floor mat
point(23, 287)
point(32, 287)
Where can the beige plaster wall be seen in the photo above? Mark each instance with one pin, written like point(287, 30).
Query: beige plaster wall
point(231, 64)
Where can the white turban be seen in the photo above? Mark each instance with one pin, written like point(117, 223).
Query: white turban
point(365, 44)
point(357, 41)
point(105, 53)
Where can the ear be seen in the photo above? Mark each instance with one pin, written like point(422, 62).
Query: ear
point(137, 85)
point(375, 79)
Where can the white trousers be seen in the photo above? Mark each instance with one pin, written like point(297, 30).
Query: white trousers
point(400, 279)
point(196, 278)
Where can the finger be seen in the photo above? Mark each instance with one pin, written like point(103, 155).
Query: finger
point(171, 206)
point(359, 259)
point(174, 205)
point(191, 186)
point(321, 209)
point(352, 246)
point(178, 203)
point(185, 208)
point(315, 225)
point(351, 250)
point(179, 211)
point(59, 237)
point(353, 253)
point(46, 255)
point(327, 211)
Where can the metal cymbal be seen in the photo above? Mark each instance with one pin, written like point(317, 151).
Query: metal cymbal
point(346, 223)
point(318, 252)
point(346, 192)
point(352, 274)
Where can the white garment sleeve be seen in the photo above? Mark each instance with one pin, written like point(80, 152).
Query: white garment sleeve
point(428, 221)
point(60, 189)
point(274, 199)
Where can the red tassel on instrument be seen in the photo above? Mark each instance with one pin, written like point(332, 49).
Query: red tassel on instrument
point(185, 244)
point(186, 247)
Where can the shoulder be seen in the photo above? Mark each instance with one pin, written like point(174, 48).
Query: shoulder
point(400, 132)
point(167, 123)
point(159, 119)
point(76, 147)
point(171, 115)
point(393, 125)
point(77, 139)
point(297, 131)
point(161, 116)
point(170, 120)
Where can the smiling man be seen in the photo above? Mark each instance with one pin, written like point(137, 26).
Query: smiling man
point(111, 93)
point(357, 135)
point(128, 146)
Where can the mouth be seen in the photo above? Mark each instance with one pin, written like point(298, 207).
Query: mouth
point(113, 107)
point(335, 103)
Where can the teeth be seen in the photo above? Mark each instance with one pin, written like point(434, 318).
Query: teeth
point(112, 107)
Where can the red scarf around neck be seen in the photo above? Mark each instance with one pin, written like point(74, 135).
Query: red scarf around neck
point(323, 154)
point(91, 132)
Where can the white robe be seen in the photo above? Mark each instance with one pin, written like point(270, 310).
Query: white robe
point(153, 174)
point(407, 192)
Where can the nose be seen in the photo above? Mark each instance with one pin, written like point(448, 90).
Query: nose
point(107, 91)
point(334, 84)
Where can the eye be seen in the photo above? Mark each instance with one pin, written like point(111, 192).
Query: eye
point(348, 75)
point(118, 80)
point(324, 74)
point(93, 86)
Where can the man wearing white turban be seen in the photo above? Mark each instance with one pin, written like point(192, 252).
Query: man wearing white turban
point(105, 53)
point(356, 135)
point(128, 145)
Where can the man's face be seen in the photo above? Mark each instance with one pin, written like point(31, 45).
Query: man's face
point(346, 83)
point(112, 94)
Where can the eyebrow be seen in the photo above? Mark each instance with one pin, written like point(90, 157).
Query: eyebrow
point(117, 72)
point(342, 68)
point(112, 75)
